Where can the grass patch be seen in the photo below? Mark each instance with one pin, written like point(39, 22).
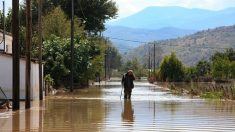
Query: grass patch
point(212, 95)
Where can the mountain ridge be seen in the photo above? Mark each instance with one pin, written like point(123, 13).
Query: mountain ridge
point(117, 34)
point(156, 17)
point(169, 23)
point(191, 48)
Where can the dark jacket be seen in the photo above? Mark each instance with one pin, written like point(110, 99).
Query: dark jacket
point(127, 81)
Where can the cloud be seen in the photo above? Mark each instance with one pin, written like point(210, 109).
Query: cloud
point(128, 7)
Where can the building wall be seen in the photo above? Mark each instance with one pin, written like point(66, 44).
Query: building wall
point(8, 43)
point(6, 77)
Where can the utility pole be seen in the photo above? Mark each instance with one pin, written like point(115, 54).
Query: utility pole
point(4, 32)
point(110, 55)
point(105, 64)
point(149, 59)
point(28, 54)
point(15, 55)
point(154, 58)
point(40, 48)
point(105, 61)
point(72, 46)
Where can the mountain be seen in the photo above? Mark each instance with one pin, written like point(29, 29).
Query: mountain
point(139, 36)
point(177, 17)
point(192, 48)
point(159, 23)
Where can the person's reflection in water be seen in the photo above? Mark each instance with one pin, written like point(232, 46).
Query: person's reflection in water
point(128, 113)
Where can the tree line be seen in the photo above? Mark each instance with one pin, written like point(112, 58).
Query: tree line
point(90, 47)
point(220, 68)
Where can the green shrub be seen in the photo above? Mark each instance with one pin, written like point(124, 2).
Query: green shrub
point(212, 95)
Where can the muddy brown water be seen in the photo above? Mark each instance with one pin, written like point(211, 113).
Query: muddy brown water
point(100, 109)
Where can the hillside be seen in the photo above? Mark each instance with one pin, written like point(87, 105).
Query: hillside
point(160, 23)
point(178, 17)
point(192, 48)
point(141, 35)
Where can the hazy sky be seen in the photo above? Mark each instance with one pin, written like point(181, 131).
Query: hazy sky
point(7, 3)
point(128, 7)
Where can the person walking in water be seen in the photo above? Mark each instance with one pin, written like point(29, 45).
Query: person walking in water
point(127, 82)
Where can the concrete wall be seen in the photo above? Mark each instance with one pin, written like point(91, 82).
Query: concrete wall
point(6, 77)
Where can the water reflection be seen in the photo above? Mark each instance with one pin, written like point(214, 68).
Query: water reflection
point(100, 109)
point(128, 113)
point(15, 122)
point(74, 115)
point(27, 120)
point(172, 106)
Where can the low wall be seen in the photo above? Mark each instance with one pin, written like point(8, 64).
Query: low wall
point(6, 77)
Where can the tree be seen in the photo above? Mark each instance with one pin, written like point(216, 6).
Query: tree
point(171, 69)
point(93, 13)
point(230, 53)
point(57, 57)
point(232, 68)
point(190, 73)
point(85, 52)
point(203, 68)
point(8, 21)
point(1, 19)
point(56, 22)
point(221, 68)
point(22, 14)
point(55, 54)
point(116, 58)
point(223, 65)
point(164, 68)
point(135, 66)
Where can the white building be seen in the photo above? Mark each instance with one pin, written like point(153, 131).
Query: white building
point(8, 43)
point(6, 72)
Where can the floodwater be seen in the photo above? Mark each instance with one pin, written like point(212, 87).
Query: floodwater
point(101, 109)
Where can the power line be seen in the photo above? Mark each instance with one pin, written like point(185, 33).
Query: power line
point(194, 46)
point(128, 40)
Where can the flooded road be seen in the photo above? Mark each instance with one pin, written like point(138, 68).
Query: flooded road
point(101, 109)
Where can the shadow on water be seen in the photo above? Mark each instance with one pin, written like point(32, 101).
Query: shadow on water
point(100, 109)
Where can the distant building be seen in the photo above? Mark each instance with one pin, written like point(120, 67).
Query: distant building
point(6, 71)
point(7, 48)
